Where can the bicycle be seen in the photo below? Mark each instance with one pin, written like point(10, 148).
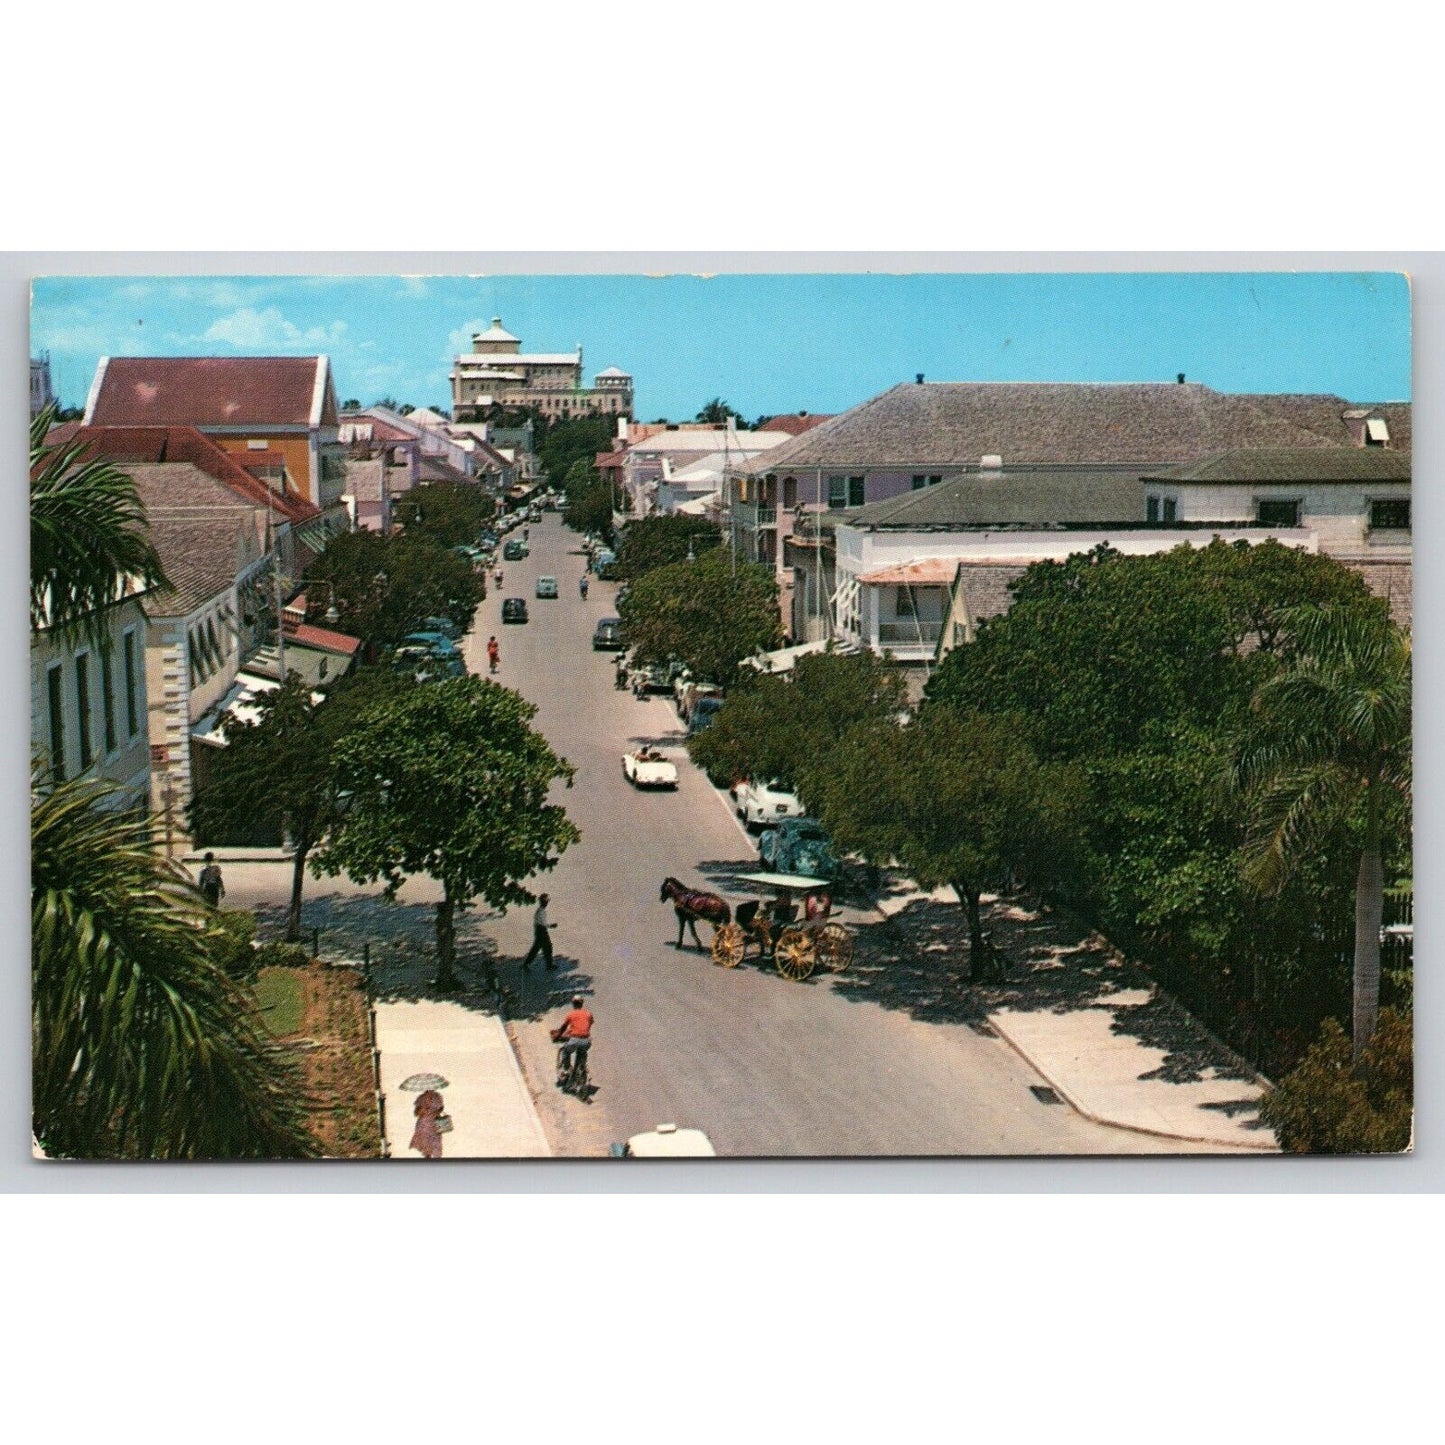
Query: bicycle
point(572, 1073)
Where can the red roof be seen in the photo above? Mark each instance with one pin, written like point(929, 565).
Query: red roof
point(208, 391)
point(794, 425)
point(121, 444)
point(610, 461)
point(324, 638)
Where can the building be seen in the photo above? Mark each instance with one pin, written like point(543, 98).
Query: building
point(42, 390)
point(706, 452)
point(276, 414)
point(497, 373)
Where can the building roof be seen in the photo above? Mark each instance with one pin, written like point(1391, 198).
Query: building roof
point(956, 423)
point(494, 332)
point(425, 416)
point(709, 439)
point(610, 461)
point(615, 371)
point(795, 424)
point(130, 446)
point(436, 469)
point(212, 391)
point(1033, 497)
point(323, 639)
point(366, 480)
point(1290, 464)
point(928, 572)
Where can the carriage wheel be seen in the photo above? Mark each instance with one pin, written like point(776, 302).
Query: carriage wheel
point(835, 947)
point(795, 955)
point(728, 945)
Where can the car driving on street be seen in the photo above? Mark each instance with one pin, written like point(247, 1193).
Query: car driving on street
point(607, 636)
point(514, 609)
point(647, 768)
point(514, 551)
point(546, 587)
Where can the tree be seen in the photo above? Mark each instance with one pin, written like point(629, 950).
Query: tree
point(451, 781)
point(1330, 739)
point(88, 537)
point(591, 510)
point(563, 443)
point(718, 411)
point(351, 404)
point(279, 774)
point(954, 800)
point(383, 586)
point(142, 1047)
point(707, 614)
point(651, 542)
point(451, 515)
point(777, 726)
point(1334, 1103)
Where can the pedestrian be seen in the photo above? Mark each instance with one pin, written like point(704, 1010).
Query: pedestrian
point(210, 884)
point(541, 934)
point(426, 1138)
point(494, 654)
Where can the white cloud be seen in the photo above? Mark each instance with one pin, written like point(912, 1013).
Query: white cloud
point(459, 342)
point(413, 286)
point(248, 329)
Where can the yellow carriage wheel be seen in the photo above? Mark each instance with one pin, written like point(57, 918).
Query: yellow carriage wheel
point(728, 944)
point(795, 955)
point(835, 947)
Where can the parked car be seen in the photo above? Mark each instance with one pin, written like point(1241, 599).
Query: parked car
point(688, 694)
point(437, 642)
point(764, 805)
point(514, 551)
point(647, 768)
point(604, 563)
point(703, 714)
point(651, 679)
point(666, 1141)
point(424, 665)
point(799, 845)
point(444, 625)
point(607, 636)
point(514, 609)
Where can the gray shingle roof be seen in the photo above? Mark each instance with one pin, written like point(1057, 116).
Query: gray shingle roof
point(1148, 424)
point(1056, 496)
point(1276, 464)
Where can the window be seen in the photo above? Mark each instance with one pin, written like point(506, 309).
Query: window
point(919, 483)
point(132, 695)
point(82, 709)
point(1391, 515)
point(1278, 512)
point(1171, 509)
point(905, 607)
point(1377, 434)
point(1151, 509)
point(837, 491)
point(55, 698)
point(107, 700)
point(855, 491)
point(790, 492)
point(934, 481)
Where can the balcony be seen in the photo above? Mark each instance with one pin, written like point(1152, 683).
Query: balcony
point(906, 633)
point(753, 516)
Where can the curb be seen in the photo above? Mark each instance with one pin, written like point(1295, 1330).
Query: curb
point(520, 1080)
point(1074, 1103)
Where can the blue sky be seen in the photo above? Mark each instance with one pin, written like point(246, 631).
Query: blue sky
point(765, 343)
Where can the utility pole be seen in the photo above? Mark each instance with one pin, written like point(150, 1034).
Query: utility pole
point(168, 802)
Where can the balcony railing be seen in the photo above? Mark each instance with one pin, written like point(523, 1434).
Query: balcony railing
point(918, 633)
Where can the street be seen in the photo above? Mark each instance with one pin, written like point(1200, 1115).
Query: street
point(765, 1066)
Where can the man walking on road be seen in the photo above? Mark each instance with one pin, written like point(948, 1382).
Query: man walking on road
point(212, 889)
point(541, 935)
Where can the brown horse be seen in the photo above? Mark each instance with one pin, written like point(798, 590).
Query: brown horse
point(690, 904)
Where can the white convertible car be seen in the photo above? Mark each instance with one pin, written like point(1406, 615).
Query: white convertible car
point(647, 768)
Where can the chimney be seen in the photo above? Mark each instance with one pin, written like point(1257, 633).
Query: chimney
point(1181, 378)
point(920, 378)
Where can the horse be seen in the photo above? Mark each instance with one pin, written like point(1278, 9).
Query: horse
point(690, 904)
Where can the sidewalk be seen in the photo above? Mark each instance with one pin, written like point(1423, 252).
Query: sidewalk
point(1099, 1033)
point(490, 1107)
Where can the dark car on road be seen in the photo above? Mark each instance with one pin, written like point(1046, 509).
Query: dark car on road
point(514, 551)
point(608, 635)
point(514, 609)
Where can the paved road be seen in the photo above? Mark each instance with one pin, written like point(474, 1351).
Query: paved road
point(764, 1065)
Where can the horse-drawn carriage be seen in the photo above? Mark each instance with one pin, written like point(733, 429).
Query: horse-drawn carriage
point(790, 925)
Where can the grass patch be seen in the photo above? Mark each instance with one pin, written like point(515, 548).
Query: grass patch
point(281, 1000)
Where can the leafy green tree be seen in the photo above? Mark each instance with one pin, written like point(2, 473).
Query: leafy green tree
point(449, 780)
point(705, 614)
point(277, 775)
point(1337, 1102)
point(651, 542)
point(1330, 737)
point(591, 510)
point(447, 514)
point(88, 537)
point(142, 1047)
point(351, 404)
point(383, 586)
point(956, 800)
point(571, 440)
point(777, 726)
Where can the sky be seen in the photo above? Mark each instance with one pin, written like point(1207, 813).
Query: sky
point(766, 344)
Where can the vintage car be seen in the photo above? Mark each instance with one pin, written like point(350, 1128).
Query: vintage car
point(686, 692)
point(607, 636)
point(546, 587)
point(425, 665)
point(799, 845)
point(436, 642)
point(703, 714)
point(666, 1141)
point(444, 625)
point(514, 551)
point(650, 679)
point(514, 609)
point(764, 805)
point(647, 768)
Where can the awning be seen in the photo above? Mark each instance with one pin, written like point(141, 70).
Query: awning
point(928, 572)
point(240, 703)
point(783, 660)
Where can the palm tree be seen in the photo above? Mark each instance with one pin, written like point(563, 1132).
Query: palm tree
point(142, 1047)
point(1329, 739)
point(89, 546)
